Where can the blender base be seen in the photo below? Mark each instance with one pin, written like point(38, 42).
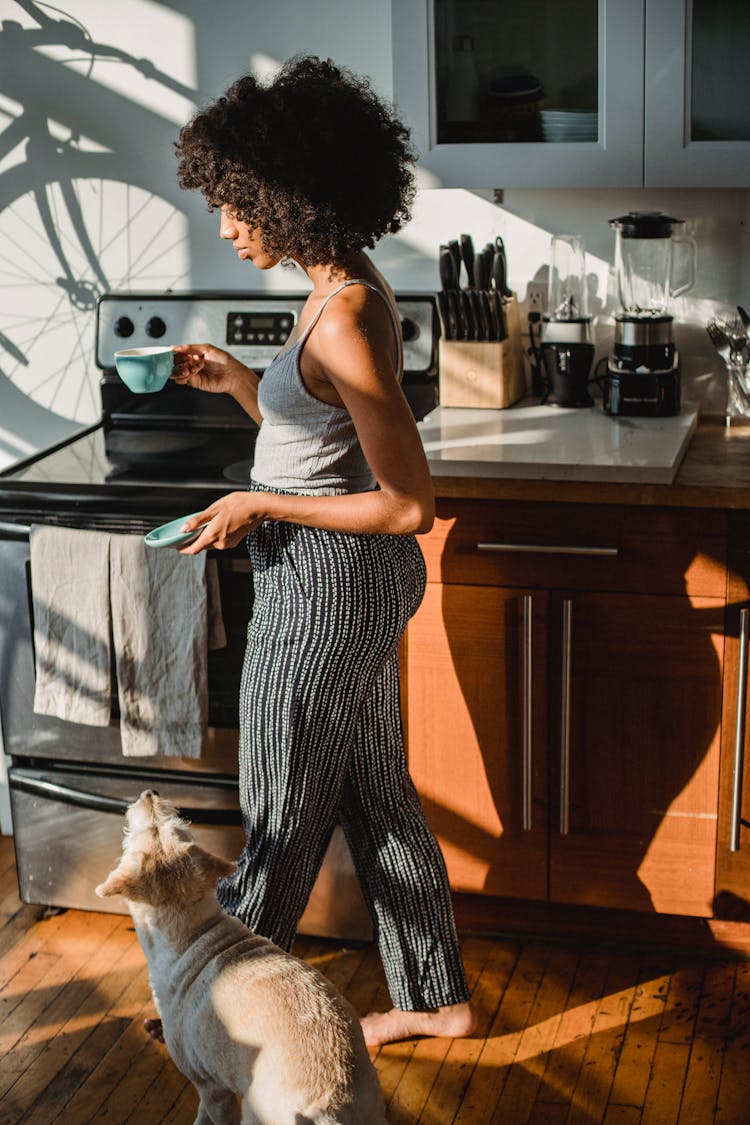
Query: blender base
point(643, 394)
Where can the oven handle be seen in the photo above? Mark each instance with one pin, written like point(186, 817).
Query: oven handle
point(99, 803)
point(14, 530)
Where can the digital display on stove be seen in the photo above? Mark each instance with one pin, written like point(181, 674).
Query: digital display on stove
point(261, 329)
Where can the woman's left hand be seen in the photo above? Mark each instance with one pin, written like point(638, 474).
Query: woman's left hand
point(228, 521)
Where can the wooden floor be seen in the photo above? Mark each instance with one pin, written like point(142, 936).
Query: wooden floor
point(566, 1034)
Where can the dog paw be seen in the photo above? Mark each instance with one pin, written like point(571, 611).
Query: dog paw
point(154, 1029)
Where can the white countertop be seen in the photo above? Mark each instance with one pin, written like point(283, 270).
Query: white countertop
point(555, 443)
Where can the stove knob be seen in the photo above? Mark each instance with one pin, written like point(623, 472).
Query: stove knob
point(409, 329)
point(124, 326)
point(155, 328)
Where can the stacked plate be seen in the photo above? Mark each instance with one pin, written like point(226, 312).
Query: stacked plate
point(563, 125)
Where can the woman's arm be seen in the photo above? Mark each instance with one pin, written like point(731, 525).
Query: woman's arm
point(210, 369)
point(351, 355)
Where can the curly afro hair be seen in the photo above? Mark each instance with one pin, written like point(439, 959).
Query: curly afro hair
point(314, 159)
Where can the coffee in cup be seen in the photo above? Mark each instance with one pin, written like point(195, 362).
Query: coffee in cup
point(145, 370)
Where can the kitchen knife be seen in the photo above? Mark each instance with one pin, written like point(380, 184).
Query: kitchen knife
point(500, 249)
point(449, 314)
point(455, 252)
point(481, 273)
point(447, 267)
point(467, 257)
point(499, 311)
point(443, 315)
point(498, 279)
point(487, 305)
point(481, 314)
point(449, 282)
point(468, 315)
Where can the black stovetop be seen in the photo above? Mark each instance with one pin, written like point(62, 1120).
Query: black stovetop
point(76, 483)
point(83, 462)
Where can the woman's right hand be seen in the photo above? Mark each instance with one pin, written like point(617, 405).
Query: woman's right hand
point(209, 369)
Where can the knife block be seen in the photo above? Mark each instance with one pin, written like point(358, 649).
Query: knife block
point(484, 373)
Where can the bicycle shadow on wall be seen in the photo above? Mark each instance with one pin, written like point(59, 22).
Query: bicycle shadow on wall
point(88, 204)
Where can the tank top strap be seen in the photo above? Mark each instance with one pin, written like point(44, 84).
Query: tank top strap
point(381, 294)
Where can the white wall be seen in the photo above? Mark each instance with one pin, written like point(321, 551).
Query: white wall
point(113, 123)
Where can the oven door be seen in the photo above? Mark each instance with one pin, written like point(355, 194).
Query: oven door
point(68, 823)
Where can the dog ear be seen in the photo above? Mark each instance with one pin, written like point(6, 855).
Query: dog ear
point(211, 867)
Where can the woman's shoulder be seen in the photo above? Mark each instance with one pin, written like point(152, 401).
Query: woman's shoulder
point(360, 302)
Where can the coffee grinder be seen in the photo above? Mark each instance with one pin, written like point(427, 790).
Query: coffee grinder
point(643, 372)
point(566, 343)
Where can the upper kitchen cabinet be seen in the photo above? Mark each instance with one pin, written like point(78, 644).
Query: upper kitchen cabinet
point(697, 122)
point(592, 93)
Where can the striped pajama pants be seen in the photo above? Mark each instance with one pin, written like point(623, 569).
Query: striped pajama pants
point(321, 743)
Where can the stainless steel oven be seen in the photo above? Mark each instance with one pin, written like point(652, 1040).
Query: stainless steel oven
point(149, 459)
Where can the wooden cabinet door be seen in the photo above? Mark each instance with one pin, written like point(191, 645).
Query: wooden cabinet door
point(637, 685)
point(475, 698)
point(733, 851)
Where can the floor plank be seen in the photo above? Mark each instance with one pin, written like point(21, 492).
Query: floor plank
point(633, 1070)
point(519, 1094)
point(591, 1095)
point(734, 1088)
point(496, 1057)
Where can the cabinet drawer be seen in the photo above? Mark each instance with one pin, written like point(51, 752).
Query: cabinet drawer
point(578, 546)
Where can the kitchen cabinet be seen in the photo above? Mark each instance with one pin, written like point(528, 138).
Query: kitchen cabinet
point(563, 700)
point(594, 93)
point(733, 851)
point(697, 111)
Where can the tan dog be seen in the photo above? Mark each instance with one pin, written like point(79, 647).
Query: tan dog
point(247, 1023)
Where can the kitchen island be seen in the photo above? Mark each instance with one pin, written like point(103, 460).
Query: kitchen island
point(575, 686)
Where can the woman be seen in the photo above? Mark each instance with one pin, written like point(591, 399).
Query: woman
point(311, 169)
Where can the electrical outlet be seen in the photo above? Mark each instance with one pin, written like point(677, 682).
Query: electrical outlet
point(536, 297)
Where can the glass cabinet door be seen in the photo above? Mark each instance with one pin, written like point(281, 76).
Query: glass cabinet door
point(697, 93)
point(506, 94)
point(507, 72)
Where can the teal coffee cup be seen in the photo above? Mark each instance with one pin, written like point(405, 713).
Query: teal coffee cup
point(144, 370)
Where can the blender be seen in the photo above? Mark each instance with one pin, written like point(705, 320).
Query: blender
point(643, 372)
point(566, 343)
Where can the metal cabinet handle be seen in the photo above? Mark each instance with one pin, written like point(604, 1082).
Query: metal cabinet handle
point(567, 634)
point(547, 549)
point(528, 619)
point(739, 733)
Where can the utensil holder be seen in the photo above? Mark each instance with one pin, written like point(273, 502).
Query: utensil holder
point(484, 373)
point(738, 392)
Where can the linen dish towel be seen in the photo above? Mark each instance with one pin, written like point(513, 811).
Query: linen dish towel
point(70, 591)
point(93, 591)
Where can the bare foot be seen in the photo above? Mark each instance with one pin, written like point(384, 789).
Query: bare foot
point(154, 1029)
point(453, 1022)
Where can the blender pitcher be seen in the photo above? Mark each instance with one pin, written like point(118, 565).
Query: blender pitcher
point(644, 260)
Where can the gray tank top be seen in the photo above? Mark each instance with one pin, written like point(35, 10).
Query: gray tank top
point(305, 445)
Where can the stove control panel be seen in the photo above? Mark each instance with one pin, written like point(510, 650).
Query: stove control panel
point(252, 328)
point(258, 328)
